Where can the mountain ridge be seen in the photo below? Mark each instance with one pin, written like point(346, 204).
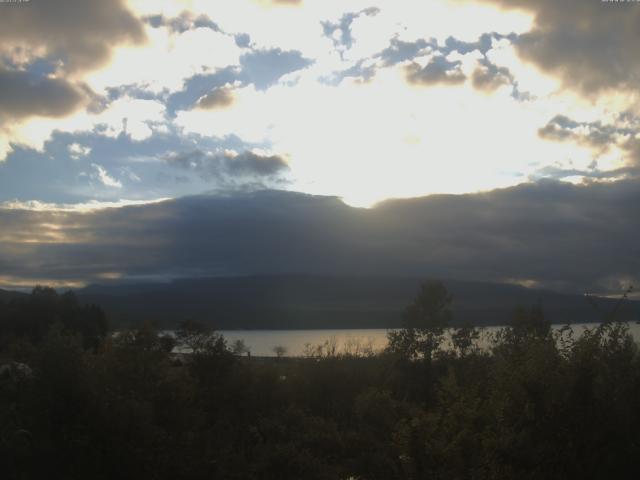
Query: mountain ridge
point(328, 301)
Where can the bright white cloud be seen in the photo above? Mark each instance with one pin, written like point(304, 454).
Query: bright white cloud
point(76, 151)
point(103, 177)
point(462, 20)
point(530, 78)
point(134, 117)
point(167, 60)
point(367, 142)
point(362, 140)
point(299, 28)
point(90, 206)
point(5, 142)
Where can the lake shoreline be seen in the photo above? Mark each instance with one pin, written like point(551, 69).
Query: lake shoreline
point(307, 342)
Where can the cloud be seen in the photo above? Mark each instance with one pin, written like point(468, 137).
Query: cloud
point(489, 77)
point(78, 34)
point(365, 134)
point(338, 142)
point(430, 62)
point(399, 51)
point(585, 175)
point(168, 59)
point(580, 238)
point(340, 32)
point(438, 71)
point(596, 135)
point(588, 44)
point(130, 174)
point(183, 22)
point(25, 95)
point(103, 177)
point(264, 68)
point(136, 118)
point(217, 98)
point(76, 151)
point(280, 2)
point(230, 168)
point(86, 207)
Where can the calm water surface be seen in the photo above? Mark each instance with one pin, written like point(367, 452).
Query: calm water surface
point(298, 342)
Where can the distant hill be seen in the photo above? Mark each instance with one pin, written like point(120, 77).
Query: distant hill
point(302, 301)
point(7, 295)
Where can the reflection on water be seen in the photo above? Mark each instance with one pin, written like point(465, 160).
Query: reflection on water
point(299, 342)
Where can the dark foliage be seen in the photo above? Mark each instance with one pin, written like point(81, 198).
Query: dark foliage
point(534, 404)
point(30, 317)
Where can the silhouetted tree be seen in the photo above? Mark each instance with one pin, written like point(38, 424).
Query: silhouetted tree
point(424, 323)
point(279, 350)
point(464, 338)
point(239, 347)
point(33, 315)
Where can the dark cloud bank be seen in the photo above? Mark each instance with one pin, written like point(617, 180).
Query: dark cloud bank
point(24, 95)
point(561, 236)
point(590, 44)
point(64, 37)
point(78, 33)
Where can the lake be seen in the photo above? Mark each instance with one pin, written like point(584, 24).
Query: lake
point(298, 342)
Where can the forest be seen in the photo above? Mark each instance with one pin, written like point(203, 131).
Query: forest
point(80, 402)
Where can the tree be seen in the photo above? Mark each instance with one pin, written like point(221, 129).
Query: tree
point(529, 323)
point(463, 339)
point(209, 354)
point(33, 315)
point(195, 336)
point(279, 350)
point(425, 321)
point(238, 347)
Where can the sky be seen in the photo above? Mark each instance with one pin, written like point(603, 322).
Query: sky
point(495, 140)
